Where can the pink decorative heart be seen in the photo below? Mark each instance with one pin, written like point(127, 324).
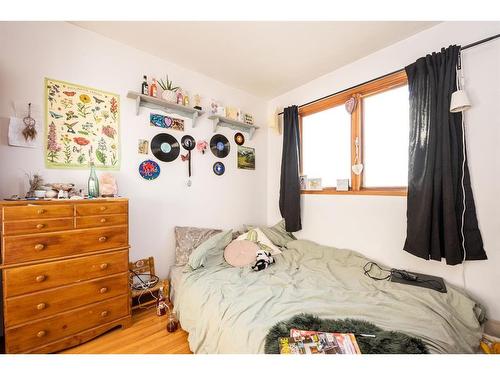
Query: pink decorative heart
point(350, 105)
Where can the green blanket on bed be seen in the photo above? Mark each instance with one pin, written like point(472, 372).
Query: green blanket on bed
point(230, 310)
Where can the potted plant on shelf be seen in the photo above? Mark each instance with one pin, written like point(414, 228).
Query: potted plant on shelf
point(169, 90)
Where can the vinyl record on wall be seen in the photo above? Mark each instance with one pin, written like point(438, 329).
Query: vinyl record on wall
point(239, 139)
point(219, 146)
point(165, 147)
point(219, 168)
point(188, 142)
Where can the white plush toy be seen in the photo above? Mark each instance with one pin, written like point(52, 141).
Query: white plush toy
point(264, 259)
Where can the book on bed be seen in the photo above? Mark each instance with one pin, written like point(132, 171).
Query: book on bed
point(315, 342)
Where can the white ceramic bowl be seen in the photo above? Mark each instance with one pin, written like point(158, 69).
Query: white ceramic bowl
point(40, 193)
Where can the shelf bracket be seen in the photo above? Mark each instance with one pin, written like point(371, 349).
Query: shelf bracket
point(137, 105)
point(251, 132)
point(216, 124)
point(195, 117)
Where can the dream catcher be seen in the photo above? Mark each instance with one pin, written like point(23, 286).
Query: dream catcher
point(29, 132)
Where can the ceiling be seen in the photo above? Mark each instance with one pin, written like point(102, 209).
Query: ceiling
point(266, 59)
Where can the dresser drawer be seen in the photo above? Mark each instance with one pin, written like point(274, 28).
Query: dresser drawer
point(41, 211)
point(50, 245)
point(91, 209)
point(100, 221)
point(31, 335)
point(37, 226)
point(28, 307)
point(28, 279)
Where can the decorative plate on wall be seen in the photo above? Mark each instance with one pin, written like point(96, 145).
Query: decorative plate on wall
point(149, 169)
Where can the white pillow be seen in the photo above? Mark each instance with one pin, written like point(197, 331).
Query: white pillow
point(262, 238)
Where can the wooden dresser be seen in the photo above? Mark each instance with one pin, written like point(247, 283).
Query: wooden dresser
point(64, 272)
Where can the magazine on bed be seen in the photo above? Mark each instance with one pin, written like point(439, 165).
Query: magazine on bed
point(314, 342)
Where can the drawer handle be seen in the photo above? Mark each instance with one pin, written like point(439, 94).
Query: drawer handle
point(40, 226)
point(103, 239)
point(104, 266)
point(41, 306)
point(41, 211)
point(104, 313)
point(103, 220)
point(103, 208)
point(40, 278)
point(39, 246)
point(41, 334)
point(103, 290)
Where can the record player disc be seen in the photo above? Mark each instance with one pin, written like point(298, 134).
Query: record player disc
point(219, 146)
point(188, 142)
point(165, 147)
point(219, 168)
point(239, 139)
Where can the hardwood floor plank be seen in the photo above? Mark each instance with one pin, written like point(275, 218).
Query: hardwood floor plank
point(146, 335)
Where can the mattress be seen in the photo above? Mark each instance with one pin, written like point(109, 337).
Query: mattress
point(230, 310)
point(175, 281)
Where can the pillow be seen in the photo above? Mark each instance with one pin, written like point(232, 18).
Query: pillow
point(241, 253)
point(262, 238)
point(187, 239)
point(210, 251)
point(277, 233)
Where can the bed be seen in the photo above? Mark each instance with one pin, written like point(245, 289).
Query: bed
point(230, 310)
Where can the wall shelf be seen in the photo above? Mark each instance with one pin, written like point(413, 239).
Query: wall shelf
point(163, 105)
point(233, 124)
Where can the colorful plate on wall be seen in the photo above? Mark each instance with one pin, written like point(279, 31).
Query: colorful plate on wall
point(219, 168)
point(149, 169)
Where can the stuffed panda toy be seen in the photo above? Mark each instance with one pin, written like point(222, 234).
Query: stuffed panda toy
point(264, 260)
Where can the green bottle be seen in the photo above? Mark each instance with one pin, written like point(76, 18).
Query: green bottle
point(93, 182)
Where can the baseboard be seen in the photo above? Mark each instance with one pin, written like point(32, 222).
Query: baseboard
point(492, 328)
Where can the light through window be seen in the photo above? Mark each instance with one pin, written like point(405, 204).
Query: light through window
point(326, 149)
point(385, 138)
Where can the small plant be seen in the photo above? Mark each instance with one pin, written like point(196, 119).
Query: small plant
point(168, 85)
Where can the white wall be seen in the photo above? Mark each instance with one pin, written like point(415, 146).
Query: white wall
point(31, 51)
point(376, 226)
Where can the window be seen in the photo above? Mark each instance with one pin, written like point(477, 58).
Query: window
point(379, 125)
point(326, 138)
point(385, 138)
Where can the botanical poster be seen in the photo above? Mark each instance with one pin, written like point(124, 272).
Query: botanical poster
point(82, 125)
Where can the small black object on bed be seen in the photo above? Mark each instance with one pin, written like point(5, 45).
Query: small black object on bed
point(407, 278)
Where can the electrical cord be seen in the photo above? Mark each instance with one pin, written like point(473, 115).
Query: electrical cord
point(401, 274)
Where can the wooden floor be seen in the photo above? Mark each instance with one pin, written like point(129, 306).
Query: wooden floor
point(146, 335)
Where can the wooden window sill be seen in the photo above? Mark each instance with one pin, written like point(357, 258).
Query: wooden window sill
point(397, 192)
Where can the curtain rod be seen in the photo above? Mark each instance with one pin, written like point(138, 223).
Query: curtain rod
point(396, 71)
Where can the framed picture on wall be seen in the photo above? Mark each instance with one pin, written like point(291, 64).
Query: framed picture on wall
point(246, 157)
point(83, 125)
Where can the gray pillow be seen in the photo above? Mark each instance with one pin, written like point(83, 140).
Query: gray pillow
point(210, 252)
point(189, 238)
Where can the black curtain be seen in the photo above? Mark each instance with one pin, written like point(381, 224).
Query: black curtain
point(289, 184)
point(434, 212)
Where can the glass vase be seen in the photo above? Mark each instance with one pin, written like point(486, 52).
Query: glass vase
point(93, 185)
